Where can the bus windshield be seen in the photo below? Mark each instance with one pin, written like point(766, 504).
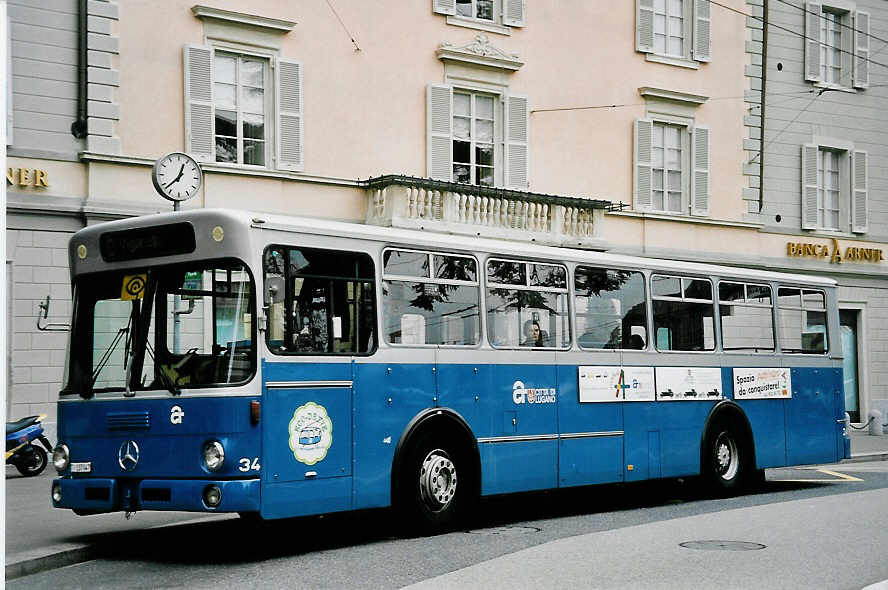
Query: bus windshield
point(168, 328)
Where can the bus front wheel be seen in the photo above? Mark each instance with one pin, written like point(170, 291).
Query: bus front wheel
point(725, 459)
point(435, 486)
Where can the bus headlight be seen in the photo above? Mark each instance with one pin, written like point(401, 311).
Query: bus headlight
point(61, 458)
point(213, 455)
point(56, 492)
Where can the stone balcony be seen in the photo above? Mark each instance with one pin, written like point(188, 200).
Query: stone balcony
point(461, 209)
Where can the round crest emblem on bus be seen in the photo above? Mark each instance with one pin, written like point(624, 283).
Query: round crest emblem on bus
point(311, 433)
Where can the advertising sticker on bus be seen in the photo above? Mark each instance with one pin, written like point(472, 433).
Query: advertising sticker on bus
point(311, 433)
point(762, 383)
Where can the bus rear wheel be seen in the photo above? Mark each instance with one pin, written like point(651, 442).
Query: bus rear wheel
point(726, 460)
point(435, 489)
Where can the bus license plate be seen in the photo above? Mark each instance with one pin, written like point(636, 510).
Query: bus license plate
point(81, 467)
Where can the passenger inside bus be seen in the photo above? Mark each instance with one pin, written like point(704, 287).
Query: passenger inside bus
point(533, 335)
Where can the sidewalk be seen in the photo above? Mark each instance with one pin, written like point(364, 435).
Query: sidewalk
point(868, 448)
point(39, 537)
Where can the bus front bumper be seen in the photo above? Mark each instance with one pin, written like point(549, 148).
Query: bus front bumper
point(96, 495)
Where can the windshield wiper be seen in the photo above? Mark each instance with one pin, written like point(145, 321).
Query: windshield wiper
point(107, 355)
point(158, 370)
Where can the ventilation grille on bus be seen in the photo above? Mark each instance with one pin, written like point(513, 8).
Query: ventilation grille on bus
point(129, 420)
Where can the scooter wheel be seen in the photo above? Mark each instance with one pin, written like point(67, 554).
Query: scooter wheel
point(32, 463)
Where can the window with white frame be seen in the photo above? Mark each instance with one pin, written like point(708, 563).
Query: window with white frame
point(477, 137)
point(667, 166)
point(474, 121)
point(678, 31)
point(836, 45)
point(491, 15)
point(671, 167)
point(243, 108)
point(831, 47)
point(669, 28)
point(828, 189)
point(480, 9)
point(239, 101)
point(834, 188)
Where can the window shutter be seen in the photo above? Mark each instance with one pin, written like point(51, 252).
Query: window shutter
point(812, 41)
point(702, 30)
point(199, 140)
point(444, 6)
point(700, 184)
point(288, 78)
point(517, 141)
point(513, 13)
point(860, 189)
point(644, 135)
point(861, 49)
point(644, 26)
point(439, 138)
point(809, 186)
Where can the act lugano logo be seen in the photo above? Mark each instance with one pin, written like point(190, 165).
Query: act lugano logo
point(311, 433)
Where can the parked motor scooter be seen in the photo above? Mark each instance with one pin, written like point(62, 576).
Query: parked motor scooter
point(28, 458)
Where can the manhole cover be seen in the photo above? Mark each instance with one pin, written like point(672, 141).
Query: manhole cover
point(506, 530)
point(722, 545)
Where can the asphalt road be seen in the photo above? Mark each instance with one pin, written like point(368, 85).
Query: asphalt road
point(818, 528)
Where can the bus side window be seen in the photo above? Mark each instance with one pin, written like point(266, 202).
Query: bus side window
point(610, 308)
point(329, 301)
point(683, 307)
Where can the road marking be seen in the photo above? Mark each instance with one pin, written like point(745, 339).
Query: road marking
point(840, 477)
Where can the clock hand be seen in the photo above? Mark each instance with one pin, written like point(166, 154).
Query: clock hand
point(176, 179)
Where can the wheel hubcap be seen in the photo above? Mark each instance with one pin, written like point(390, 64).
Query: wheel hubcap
point(726, 459)
point(437, 480)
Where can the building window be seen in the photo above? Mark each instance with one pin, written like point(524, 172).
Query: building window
point(239, 99)
point(834, 188)
point(496, 16)
point(480, 9)
point(243, 108)
point(831, 47)
point(473, 138)
point(828, 189)
point(668, 168)
point(671, 167)
point(836, 46)
point(677, 30)
point(669, 27)
point(477, 138)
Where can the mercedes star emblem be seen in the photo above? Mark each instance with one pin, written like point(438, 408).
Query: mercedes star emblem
point(128, 455)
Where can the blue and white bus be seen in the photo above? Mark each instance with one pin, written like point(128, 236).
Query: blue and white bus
point(282, 366)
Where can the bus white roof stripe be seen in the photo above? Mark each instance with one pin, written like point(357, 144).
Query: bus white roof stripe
point(459, 243)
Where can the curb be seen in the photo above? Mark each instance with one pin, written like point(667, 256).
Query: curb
point(863, 457)
point(74, 555)
point(35, 565)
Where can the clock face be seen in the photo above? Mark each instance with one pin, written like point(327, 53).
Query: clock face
point(177, 176)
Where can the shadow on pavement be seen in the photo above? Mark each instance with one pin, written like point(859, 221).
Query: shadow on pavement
point(247, 540)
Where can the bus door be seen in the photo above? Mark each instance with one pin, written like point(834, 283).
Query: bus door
point(321, 313)
point(306, 438)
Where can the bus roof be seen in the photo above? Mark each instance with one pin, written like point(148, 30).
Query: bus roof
point(434, 240)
